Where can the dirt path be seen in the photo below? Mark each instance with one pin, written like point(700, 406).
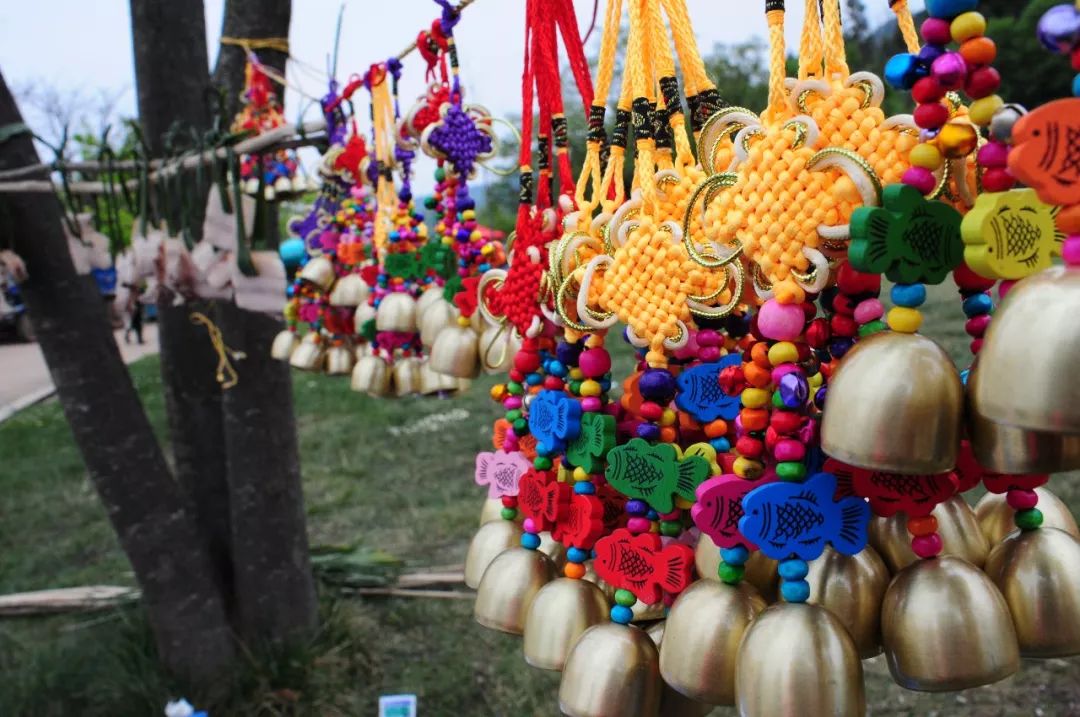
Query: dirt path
point(24, 377)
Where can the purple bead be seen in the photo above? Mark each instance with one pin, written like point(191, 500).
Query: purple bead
point(819, 397)
point(929, 53)
point(950, 70)
point(928, 135)
point(648, 431)
point(839, 347)
point(657, 385)
point(1059, 29)
point(636, 507)
point(567, 353)
point(794, 390)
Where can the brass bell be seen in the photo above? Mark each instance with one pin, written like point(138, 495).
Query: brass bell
point(760, 569)
point(406, 374)
point(894, 404)
point(462, 385)
point(612, 670)
point(946, 627)
point(318, 271)
point(436, 317)
point(339, 360)
point(1030, 348)
point(852, 587)
point(396, 312)
point(508, 587)
point(284, 344)
point(308, 356)
point(701, 639)
point(491, 511)
point(647, 613)
point(797, 659)
point(455, 353)
point(1010, 449)
point(498, 344)
point(429, 297)
point(1038, 572)
point(672, 703)
point(371, 375)
point(349, 290)
point(492, 538)
point(559, 614)
point(432, 382)
point(364, 313)
point(957, 526)
point(553, 549)
point(996, 517)
point(605, 587)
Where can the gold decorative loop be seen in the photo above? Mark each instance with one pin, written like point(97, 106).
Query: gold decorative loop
point(868, 89)
point(505, 346)
point(801, 132)
point(498, 278)
point(822, 156)
point(715, 182)
point(560, 308)
point(733, 274)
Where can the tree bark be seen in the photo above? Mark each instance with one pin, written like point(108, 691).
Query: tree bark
point(249, 20)
point(171, 66)
point(126, 465)
point(275, 590)
point(196, 426)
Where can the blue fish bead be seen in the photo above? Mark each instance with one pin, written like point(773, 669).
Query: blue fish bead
point(720, 445)
point(948, 9)
point(903, 71)
point(542, 449)
point(735, 556)
point(977, 305)
point(530, 541)
point(793, 569)
point(584, 488)
point(636, 507)
point(909, 295)
point(648, 431)
point(621, 614)
point(577, 555)
point(795, 590)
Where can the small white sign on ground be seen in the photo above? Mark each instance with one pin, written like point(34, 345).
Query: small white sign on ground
point(397, 706)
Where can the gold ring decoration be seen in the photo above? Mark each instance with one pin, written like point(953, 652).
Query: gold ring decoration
point(561, 297)
point(818, 277)
point(720, 125)
point(806, 130)
point(595, 319)
point(742, 143)
point(508, 246)
point(491, 276)
point(496, 144)
point(861, 174)
point(679, 341)
point(762, 286)
point(733, 274)
point(802, 89)
point(712, 184)
point(505, 345)
point(869, 83)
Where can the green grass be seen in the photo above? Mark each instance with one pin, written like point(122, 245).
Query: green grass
point(371, 477)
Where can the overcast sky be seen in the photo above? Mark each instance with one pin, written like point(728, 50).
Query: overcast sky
point(87, 44)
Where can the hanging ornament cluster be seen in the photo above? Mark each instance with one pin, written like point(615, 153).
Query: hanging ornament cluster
point(776, 492)
point(275, 173)
point(377, 293)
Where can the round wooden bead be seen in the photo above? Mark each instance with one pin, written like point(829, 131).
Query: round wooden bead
point(979, 51)
point(982, 82)
point(967, 26)
point(927, 90)
point(904, 320)
point(926, 155)
point(926, 546)
point(982, 110)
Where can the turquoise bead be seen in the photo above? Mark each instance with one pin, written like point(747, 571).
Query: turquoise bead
point(720, 445)
point(903, 71)
point(577, 555)
point(584, 488)
point(948, 9)
point(530, 541)
point(793, 569)
point(909, 295)
point(621, 614)
point(977, 305)
point(795, 590)
point(1076, 86)
point(735, 556)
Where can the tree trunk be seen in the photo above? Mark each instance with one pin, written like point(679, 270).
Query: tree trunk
point(274, 584)
point(125, 463)
point(248, 20)
point(171, 67)
point(193, 403)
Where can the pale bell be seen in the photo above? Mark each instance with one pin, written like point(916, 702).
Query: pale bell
point(349, 290)
point(284, 344)
point(455, 353)
point(397, 313)
point(946, 627)
point(371, 376)
point(437, 316)
point(852, 588)
point(318, 271)
point(957, 526)
point(406, 375)
point(339, 360)
point(308, 356)
point(895, 404)
point(995, 516)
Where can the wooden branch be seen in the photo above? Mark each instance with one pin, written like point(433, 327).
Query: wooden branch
point(398, 592)
point(81, 599)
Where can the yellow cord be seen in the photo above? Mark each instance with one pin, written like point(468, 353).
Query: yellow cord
point(907, 25)
point(226, 374)
point(810, 48)
point(281, 44)
point(777, 69)
point(835, 59)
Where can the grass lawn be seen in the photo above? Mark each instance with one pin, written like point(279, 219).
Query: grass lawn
point(392, 475)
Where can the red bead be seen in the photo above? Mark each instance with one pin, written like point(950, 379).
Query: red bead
point(976, 346)
point(1021, 499)
point(932, 115)
point(526, 362)
point(982, 82)
point(927, 546)
point(998, 179)
point(976, 326)
point(749, 447)
point(1075, 58)
point(851, 281)
point(968, 280)
point(843, 325)
point(516, 375)
point(827, 369)
point(771, 438)
point(785, 422)
point(509, 501)
point(732, 380)
point(927, 90)
point(843, 304)
point(810, 309)
point(651, 411)
point(803, 350)
point(553, 383)
point(817, 333)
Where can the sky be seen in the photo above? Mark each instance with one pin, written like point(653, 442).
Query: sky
point(76, 45)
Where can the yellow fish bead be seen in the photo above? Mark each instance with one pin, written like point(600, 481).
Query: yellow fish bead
point(783, 352)
point(754, 397)
point(926, 155)
point(904, 320)
point(982, 111)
